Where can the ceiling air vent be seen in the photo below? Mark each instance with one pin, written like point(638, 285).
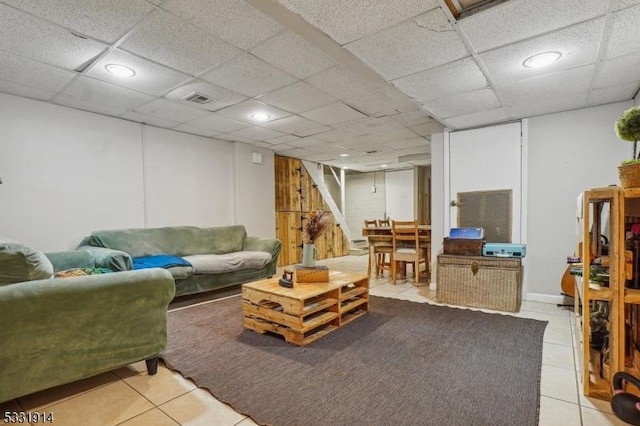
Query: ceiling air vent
point(197, 98)
point(375, 151)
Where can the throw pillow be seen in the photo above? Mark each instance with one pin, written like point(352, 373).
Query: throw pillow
point(20, 263)
point(158, 261)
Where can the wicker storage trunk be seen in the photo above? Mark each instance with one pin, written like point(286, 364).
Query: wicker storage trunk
point(479, 282)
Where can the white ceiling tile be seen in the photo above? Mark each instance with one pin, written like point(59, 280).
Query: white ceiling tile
point(220, 97)
point(336, 135)
point(25, 72)
point(262, 144)
point(319, 128)
point(78, 103)
point(477, 118)
point(312, 144)
point(175, 43)
point(214, 121)
point(341, 82)
point(293, 124)
point(412, 118)
point(332, 114)
point(533, 109)
point(617, 71)
point(612, 94)
point(107, 20)
point(621, 4)
point(257, 133)
point(394, 135)
point(86, 91)
point(248, 75)
point(464, 103)
point(321, 157)
point(348, 20)
point(420, 43)
point(521, 19)
point(422, 129)
point(293, 54)
point(296, 153)
point(283, 139)
point(194, 130)
point(150, 77)
point(282, 148)
point(244, 110)
point(374, 102)
point(298, 97)
point(457, 77)
point(171, 110)
point(150, 119)
point(376, 125)
point(234, 21)
point(422, 149)
point(547, 86)
point(407, 143)
point(18, 89)
point(577, 44)
point(34, 38)
point(624, 32)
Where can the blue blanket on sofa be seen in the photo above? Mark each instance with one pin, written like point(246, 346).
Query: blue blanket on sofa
point(158, 261)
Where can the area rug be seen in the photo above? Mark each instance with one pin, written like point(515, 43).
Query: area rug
point(404, 363)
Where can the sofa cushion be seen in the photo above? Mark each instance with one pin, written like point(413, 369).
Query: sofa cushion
point(229, 262)
point(22, 263)
point(180, 272)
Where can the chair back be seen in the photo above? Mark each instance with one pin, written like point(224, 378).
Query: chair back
point(370, 223)
point(405, 232)
point(384, 222)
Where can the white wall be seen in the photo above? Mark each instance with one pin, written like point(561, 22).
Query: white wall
point(255, 191)
point(569, 152)
point(361, 203)
point(438, 203)
point(400, 196)
point(67, 173)
point(187, 179)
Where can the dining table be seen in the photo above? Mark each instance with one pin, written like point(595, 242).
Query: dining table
point(383, 235)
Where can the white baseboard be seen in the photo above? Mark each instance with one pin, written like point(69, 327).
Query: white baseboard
point(544, 298)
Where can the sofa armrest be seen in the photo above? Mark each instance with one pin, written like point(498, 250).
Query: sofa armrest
point(63, 260)
point(65, 329)
point(269, 245)
point(115, 260)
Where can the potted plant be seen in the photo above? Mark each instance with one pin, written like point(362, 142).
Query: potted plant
point(628, 129)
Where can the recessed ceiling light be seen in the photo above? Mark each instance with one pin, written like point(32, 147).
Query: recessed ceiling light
point(384, 165)
point(120, 70)
point(542, 59)
point(260, 116)
point(344, 155)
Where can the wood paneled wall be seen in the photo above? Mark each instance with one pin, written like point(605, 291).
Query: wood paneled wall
point(296, 196)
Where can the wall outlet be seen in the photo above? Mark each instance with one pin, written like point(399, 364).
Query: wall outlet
point(373, 189)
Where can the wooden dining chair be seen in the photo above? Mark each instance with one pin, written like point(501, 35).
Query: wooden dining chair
point(372, 252)
point(385, 251)
point(406, 248)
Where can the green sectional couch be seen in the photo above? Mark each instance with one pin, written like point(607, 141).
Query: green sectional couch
point(59, 330)
point(219, 256)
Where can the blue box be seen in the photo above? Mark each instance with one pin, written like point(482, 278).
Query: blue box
point(504, 250)
point(467, 233)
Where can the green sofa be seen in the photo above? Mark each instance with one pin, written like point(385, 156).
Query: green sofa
point(219, 256)
point(59, 330)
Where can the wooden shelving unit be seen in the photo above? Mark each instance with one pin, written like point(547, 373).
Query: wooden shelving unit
point(623, 303)
point(596, 374)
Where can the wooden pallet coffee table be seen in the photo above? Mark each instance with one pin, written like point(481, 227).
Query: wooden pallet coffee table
point(307, 311)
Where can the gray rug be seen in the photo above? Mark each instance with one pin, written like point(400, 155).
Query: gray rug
point(404, 363)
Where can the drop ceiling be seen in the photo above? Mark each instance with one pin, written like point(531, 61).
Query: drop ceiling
point(365, 78)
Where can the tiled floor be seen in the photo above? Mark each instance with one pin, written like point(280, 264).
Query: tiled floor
point(128, 396)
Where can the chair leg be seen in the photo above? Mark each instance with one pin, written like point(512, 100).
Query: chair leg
point(393, 271)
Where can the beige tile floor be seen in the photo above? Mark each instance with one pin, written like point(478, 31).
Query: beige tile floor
point(128, 396)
